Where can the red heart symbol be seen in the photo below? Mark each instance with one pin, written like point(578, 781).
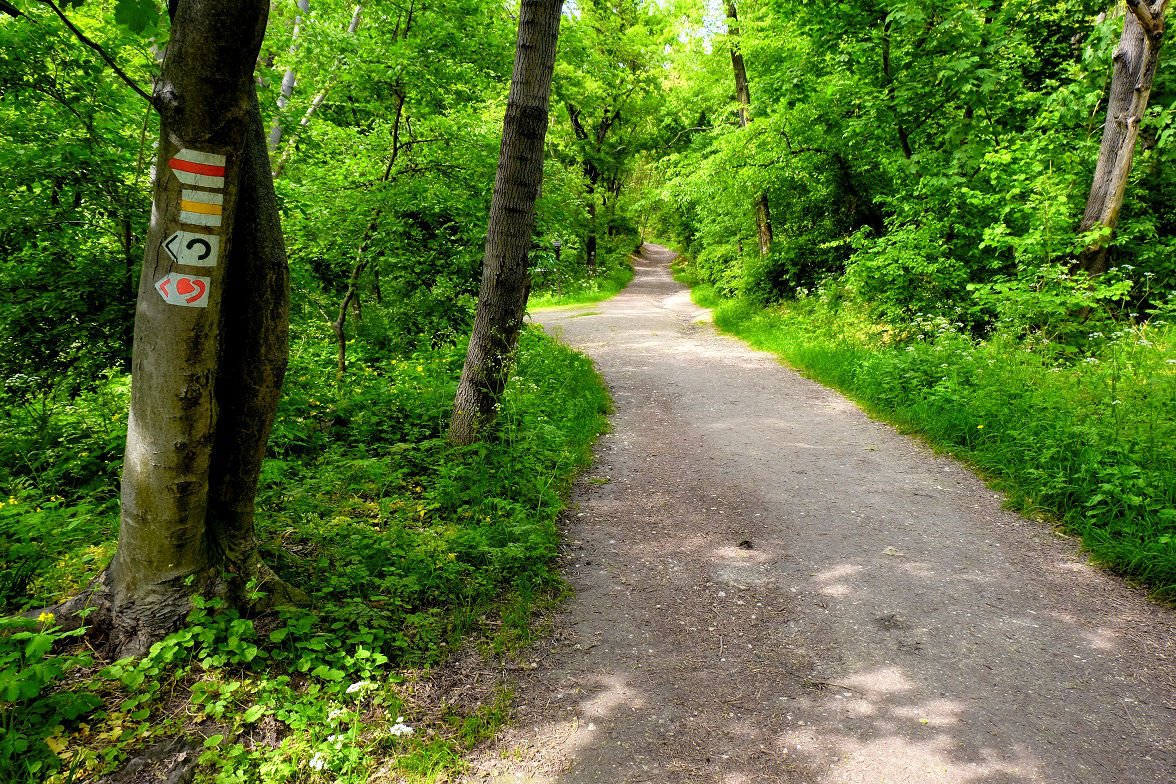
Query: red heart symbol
point(187, 286)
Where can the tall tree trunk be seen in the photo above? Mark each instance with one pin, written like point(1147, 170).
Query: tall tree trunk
point(904, 136)
point(590, 240)
point(362, 257)
point(280, 164)
point(210, 338)
point(763, 213)
point(505, 283)
point(288, 79)
point(1131, 83)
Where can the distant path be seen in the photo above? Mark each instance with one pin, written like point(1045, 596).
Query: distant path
point(883, 621)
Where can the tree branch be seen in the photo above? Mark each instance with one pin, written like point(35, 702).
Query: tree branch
point(101, 52)
point(1144, 14)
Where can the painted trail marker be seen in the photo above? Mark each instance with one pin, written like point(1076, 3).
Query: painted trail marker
point(201, 208)
point(205, 169)
point(193, 249)
point(187, 291)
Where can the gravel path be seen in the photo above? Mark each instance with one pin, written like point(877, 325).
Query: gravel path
point(771, 587)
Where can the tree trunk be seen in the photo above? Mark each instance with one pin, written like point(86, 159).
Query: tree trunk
point(503, 294)
point(763, 214)
point(288, 79)
point(316, 102)
point(1131, 83)
point(351, 296)
point(210, 339)
point(590, 239)
point(904, 136)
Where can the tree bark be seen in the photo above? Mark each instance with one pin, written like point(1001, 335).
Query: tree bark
point(591, 173)
point(280, 165)
point(763, 213)
point(288, 79)
point(505, 283)
point(210, 339)
point(590, 240)
point(1135, 63)
point(904, 136)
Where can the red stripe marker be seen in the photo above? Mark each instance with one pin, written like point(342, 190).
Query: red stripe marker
point(193, 167)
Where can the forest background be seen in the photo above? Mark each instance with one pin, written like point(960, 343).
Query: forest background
point(891, 200)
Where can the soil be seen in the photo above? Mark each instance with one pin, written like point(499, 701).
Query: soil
point(771, 587)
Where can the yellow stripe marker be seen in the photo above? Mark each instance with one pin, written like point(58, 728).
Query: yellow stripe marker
point(201, 208)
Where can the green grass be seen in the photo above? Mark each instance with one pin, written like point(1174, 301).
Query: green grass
point(1087, 443)
point(585, 292)
point(408, 547)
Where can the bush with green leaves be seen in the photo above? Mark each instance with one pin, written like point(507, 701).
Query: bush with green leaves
point(405, 544)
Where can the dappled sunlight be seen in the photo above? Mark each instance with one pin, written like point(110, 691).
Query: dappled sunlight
point(613, 694)
point(880, 682)
point(1101, 639)
point(837, 582)
point(837, 573)
point(783, 590)
point(896, 758)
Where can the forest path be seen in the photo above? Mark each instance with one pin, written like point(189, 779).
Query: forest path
point(771, 587)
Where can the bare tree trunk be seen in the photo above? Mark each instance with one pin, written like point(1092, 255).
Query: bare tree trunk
point(763, 213)
point(315, 103)
point(505, 282)
point(210, 339)
point(351, 296)
point(590, 240)
point(904, 136)
point(1134, 71)
point(288, 79)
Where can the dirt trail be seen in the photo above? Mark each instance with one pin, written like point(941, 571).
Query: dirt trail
point(771, 587)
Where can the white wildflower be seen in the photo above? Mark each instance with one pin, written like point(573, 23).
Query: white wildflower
point(318, 762)
point(400, 728)
point(359, 686)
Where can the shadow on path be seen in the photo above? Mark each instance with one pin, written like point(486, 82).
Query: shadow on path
point(770, 587)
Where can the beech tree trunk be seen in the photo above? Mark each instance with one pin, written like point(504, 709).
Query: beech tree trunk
point(280, 164)
point(210, 340)
point(288, 79)
point(763, 213)
point(1135, 63)
point(505, 283)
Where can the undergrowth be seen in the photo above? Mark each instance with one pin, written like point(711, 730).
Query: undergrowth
point(585, 290)
point(406, 545)
point(1084, 438)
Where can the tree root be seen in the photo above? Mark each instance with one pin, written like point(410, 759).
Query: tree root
point(124, 624)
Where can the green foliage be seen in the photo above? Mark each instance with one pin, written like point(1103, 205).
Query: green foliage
point(35, 705)
point(75, 150)
point(557, 290)
point(932, 160)
point(404, 543)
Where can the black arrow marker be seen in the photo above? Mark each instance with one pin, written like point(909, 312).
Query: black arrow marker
point(207, 248)
point(168, 247)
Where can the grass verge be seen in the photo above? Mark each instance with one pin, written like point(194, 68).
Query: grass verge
point(1088, 443)
point(407, 545)
point(586, 291)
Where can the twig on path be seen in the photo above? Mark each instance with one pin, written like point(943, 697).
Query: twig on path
point(818, 682)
